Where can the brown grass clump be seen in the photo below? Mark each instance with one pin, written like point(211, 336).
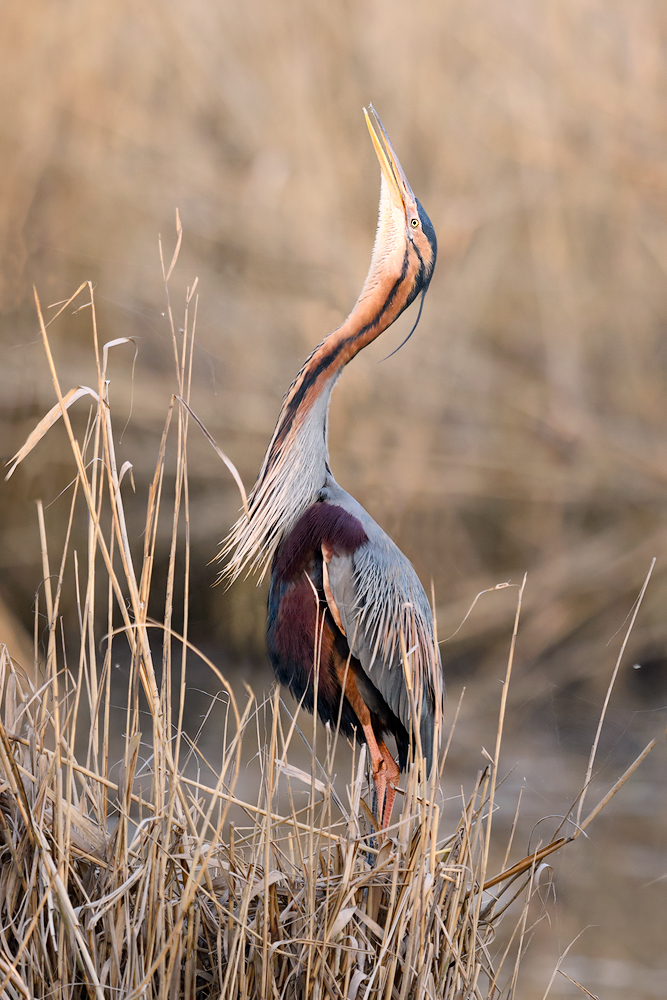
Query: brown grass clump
point(154, 883)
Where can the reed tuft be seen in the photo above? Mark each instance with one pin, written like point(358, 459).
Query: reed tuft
point(145, 880)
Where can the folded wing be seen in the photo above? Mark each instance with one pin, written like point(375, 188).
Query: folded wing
point(376, 599)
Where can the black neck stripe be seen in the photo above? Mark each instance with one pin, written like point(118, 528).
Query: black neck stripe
point(327, 360)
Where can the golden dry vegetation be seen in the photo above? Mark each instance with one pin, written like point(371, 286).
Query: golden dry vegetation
point(522, 428)
point(133, 862)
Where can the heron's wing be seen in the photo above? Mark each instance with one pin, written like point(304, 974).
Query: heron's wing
point(379, 600)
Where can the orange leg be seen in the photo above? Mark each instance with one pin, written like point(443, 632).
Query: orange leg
point(385, 768)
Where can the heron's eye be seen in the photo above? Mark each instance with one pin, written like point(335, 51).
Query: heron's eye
point(414, 223)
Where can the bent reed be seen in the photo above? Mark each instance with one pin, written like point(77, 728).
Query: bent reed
point(147, 882)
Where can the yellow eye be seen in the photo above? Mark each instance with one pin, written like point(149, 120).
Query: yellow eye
point(414, 223)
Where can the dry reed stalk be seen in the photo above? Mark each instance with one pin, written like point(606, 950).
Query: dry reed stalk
point(110, 889)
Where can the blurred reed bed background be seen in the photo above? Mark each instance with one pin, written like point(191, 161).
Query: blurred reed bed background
point(522, 427)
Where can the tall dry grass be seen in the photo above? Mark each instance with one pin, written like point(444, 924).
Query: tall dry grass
point(161, 880)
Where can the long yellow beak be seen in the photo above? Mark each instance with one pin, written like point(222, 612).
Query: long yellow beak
point(393, 173)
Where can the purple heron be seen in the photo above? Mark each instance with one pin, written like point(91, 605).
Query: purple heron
point(343, 596)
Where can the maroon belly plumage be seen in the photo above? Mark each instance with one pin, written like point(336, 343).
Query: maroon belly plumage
point(301, 630)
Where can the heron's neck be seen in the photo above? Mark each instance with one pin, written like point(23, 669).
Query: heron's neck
point(377, 307)
point(298, 454)
point(295, 466)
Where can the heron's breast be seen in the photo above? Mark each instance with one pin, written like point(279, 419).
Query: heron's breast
point(321, 524)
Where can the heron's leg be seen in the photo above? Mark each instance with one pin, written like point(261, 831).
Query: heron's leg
point(392, 772)
point(379, 773)
point(378, 758)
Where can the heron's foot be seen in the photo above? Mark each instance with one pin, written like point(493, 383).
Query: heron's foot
point(385, 773)
point(380, 777)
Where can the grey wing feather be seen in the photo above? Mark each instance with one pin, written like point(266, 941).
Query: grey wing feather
point(378, 596)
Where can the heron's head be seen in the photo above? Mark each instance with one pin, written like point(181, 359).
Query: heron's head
point(405, 245)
